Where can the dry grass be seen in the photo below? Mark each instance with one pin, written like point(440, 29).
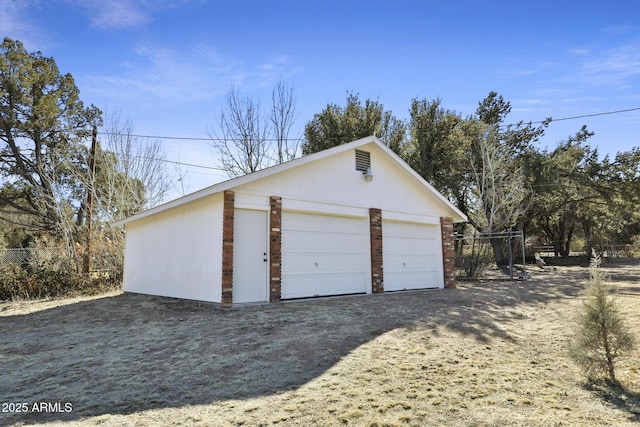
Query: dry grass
point(486, 354)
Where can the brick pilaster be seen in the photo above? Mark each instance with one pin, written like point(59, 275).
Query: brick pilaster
point(227, 248)
point(275, 249)
point(448, 252)
point(375, 233)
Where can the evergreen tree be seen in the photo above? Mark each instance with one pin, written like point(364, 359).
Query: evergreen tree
point(601, 336)
point(336, 125)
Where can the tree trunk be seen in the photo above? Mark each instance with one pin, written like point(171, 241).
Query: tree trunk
point(587, 227)
point(80, 215)
point(497, 245)
point(566, 251)
point(515, 242)
point(608, 354)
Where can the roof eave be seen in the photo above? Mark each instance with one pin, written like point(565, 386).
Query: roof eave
point(457, 212)
point(245, 179)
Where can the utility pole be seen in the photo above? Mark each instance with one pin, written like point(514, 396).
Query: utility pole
point(92, 172)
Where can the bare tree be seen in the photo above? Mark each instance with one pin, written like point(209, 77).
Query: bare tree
point(180, 174)
point(498, 184)
point(243, 143)
point(131, 174)
point(283, 116)
point(248, 139)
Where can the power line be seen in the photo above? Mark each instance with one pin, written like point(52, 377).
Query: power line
point(551, 119)
point(182, 138)
point(179, 163)
point(198, 138)
point(190, 138)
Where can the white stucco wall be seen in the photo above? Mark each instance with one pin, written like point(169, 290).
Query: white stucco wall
point(332, 185)
point(177, 253)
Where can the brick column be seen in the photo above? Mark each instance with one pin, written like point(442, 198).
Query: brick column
point(375, 234)
point(275, 249)
point(227, 248)
point(448, 252)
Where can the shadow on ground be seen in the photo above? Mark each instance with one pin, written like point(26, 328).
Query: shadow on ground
point(617, 395)
point(132, 353)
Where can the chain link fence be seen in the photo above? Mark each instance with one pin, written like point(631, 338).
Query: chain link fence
point(106, 256)
point(476, 255)
point(31, 257)
point(50, 272)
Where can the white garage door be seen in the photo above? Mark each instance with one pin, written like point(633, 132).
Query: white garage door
point(322, 255)
point(412, 256)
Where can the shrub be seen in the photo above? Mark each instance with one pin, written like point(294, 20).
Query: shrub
point(14, 282)
point(601, 336)
point(19, 283)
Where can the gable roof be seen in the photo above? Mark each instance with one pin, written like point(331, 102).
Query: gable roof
point(245, 179)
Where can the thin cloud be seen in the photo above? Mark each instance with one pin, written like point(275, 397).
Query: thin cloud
point(583, 76)
point(14, 23)
point(274, 68)
point(115, 14)
point(125, 14)
point(164, 75)
point(615, 67)
point(617, 30)
point(524, 108)
point(527, 104)
point(158, 75)
point(580, 52)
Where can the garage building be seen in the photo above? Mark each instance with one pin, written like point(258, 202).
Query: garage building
point(354, 219)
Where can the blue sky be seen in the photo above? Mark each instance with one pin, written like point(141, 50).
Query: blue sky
point(168, 64)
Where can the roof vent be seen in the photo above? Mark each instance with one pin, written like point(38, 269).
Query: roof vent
point(363, 161)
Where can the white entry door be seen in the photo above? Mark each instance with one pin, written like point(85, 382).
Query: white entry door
point(322, 255)
point(411, 256)
point(250, 256)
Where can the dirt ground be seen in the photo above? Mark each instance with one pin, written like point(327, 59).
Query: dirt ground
point(490, 353)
